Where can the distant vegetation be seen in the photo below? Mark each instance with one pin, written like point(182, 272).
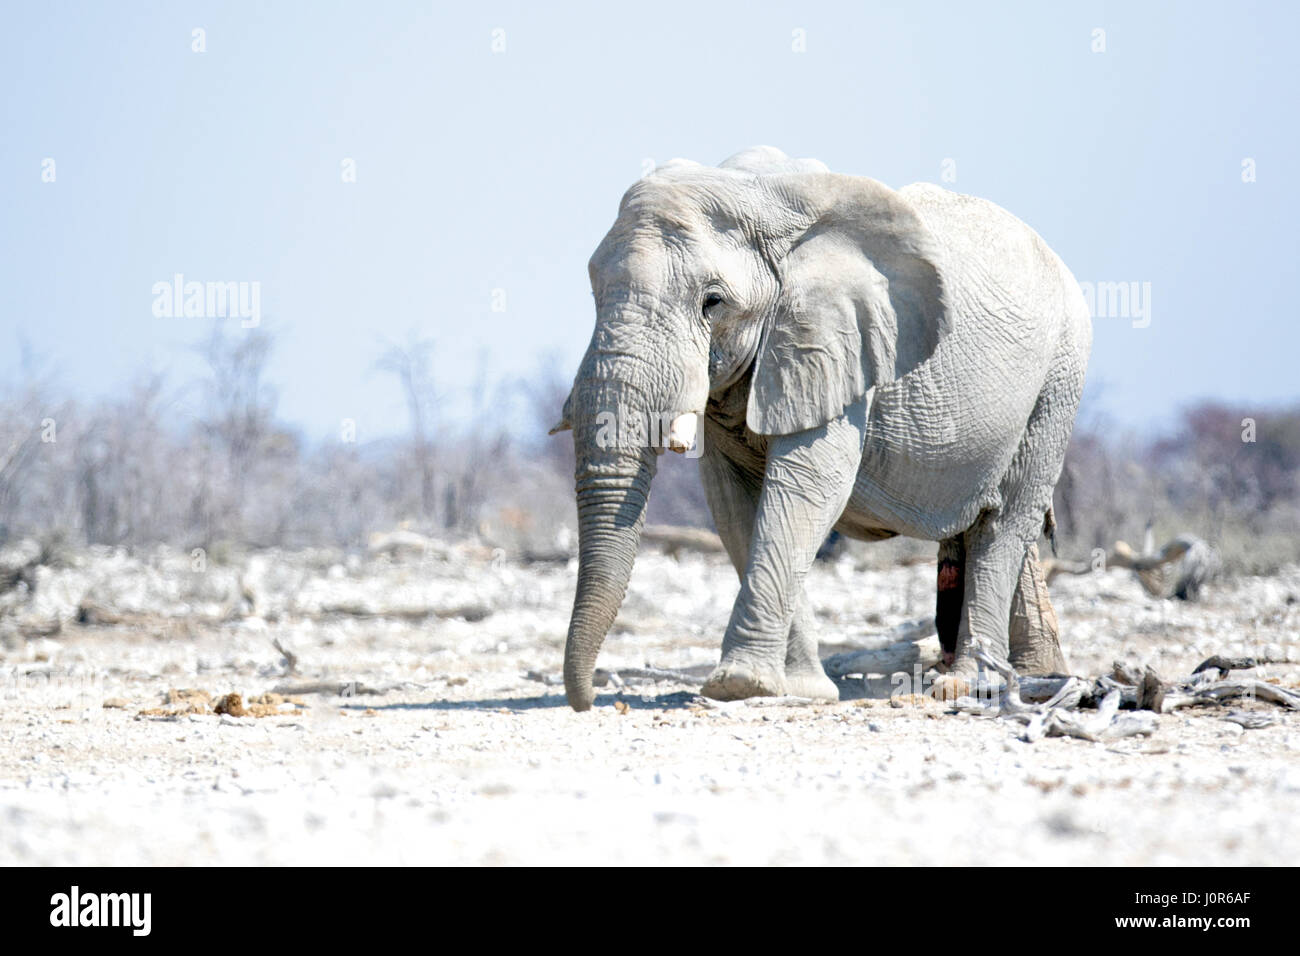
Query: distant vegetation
point(137, 471)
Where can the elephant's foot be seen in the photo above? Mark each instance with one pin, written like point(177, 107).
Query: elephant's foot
point(814, 684)
point(737, 680)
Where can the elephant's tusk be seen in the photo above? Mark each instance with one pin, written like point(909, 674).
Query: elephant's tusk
point(681, 433)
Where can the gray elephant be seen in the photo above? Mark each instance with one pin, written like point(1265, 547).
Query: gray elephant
point(874, 361)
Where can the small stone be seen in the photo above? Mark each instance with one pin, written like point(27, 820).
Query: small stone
point(231, 704)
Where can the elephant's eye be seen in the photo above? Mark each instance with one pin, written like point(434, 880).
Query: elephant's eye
point(711, 300)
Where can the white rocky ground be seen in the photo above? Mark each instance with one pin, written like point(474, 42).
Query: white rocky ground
point(468, 760)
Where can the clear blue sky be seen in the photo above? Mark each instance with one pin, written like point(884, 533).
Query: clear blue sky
point(479, 170)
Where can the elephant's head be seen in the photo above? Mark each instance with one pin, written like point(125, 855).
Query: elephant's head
point(821, 284)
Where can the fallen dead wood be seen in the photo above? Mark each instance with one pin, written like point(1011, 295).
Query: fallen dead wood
point(899, 656)
point(708, 703)
point(97, 615)
point(405, 544)
point(1179, 569)
point(555, 555)
point(94, 614)
point(622, 676)
point(1125, 704)
point(342, 688)
point(1226, 664)
point(473, 613)
point(1039, 690)
point(1197, 693)
point(290, 658)
point(673, 539)
point(1059, 715)
point(1249, 721)
point(1208, 685)
point(693, 676)
point(31, 628)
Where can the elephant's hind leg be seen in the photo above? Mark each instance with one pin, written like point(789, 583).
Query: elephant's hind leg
point(1034, 633)
point(995, 556)
point(950, 595)
point(1001, 547)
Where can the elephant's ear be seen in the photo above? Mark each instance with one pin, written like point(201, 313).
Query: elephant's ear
point(861, 303)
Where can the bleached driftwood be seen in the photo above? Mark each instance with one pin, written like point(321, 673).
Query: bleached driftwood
point(672, 539)
point(1196, 693)
point(623, 676)
point(403, 543)
point(1038, 690)
point(290, 658)
point(30, 628)
point(899, 656)
point(1252, 721)
point(342, 688)
point(1179, 569)
point(708, 703)
point(470, 612)
point(1226, 664)
point(1127, 703)
point(692, 676)
point(1058, 716)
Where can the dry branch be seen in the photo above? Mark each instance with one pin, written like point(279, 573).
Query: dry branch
point(472, 613)
point(1226, 664)
point(900, 656)
point(1179, 569)
point(672, 539)
point(619, 677)
point(290, 658)
point(1054, 706)
point(1253, 721)
point(342, 688)
point(1059, 715)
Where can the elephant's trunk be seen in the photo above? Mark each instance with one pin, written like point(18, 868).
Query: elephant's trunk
point(612, 486)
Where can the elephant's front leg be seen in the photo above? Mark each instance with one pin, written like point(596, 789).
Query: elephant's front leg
point(733, 499)
point(806, 483)
point(804, 674)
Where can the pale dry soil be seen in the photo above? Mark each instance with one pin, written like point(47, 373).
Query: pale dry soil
point(470, 761)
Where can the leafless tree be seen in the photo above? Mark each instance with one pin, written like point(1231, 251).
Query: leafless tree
point(411, 363)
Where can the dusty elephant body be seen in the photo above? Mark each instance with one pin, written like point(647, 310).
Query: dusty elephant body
point(872, 361)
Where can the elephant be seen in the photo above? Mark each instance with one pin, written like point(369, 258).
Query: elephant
point(843, 356)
